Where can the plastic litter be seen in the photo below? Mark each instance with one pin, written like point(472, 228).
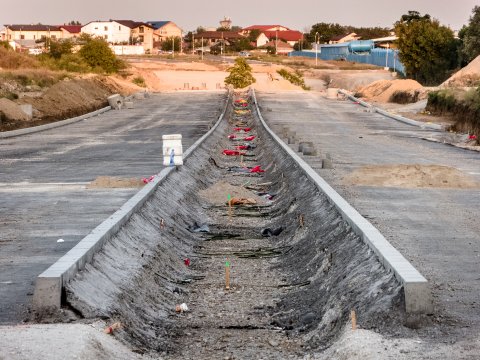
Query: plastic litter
point(110, 329)
point(232, 136)
point(199, 228)
point(247, 129)
point(242, 201)
point(60, 241)
point(269, 232)
point(232, 152)
point(181, 308)
point(249, 138)
point(257, 169)
point(186, 261)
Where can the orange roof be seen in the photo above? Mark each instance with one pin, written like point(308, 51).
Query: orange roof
point(263, 27)
point(289, 35)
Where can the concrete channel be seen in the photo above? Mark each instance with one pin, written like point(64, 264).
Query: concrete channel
point(301, 259)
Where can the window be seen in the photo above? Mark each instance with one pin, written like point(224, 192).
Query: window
point(142, 30)
point(105, 28)
point(96, 28)
point(34, 37)
point(140, 38)
point(106, 37)
point(54, 36)
point(119, 28)
point(22, 37)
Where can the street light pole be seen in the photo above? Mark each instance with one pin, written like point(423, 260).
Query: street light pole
point(316, 48)
point(202, 48)
point(276, 42)
point(173, 46)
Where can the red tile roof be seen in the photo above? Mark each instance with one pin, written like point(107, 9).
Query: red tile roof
point(263, 27)
point(72, 29)
point(280, 44)
point(290, 35)
point(132, 24)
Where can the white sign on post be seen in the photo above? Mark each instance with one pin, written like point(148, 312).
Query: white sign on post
point(172, 150)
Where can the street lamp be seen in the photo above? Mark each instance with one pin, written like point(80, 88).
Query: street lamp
point(316, 48)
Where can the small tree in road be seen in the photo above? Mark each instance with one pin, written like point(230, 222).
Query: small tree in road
point(240, 74)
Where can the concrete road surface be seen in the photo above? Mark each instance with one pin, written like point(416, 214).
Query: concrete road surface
point(437, 229)
point(43, 177)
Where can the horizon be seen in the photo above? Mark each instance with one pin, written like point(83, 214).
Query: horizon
point(370, 13)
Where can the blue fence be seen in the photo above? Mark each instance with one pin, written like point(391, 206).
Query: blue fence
point(380, 57)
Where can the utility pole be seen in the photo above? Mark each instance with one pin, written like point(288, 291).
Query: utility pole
point(193, 43)
point(202, 48)
point(316, 48)
point(276, 42)
point(173, 46)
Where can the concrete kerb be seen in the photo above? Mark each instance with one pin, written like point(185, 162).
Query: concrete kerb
point(417, 293)
point(35, 129)
point(393, 116)
point(49, 284)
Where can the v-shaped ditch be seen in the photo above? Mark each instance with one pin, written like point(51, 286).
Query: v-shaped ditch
point(296, 268)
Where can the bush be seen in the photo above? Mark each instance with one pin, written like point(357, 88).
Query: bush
point(139, 81)
point(60, 47)
point(98, 55)
point(10, 59)
point(240, 74)
point(295, 78)
point(404, 97)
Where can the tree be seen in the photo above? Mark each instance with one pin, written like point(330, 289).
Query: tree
point(254, 34)
point(427, 49)
point(241, 44)
point(240, 74)
point(367, 33)
point(60, 47)
point(470, 36)
point(325, 31)
point(171, 43)
point(97, 54)
point(302, 45)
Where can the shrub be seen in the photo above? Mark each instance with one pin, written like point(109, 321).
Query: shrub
point(240, 74)
point(139, 81)
point(60, 47)
point(295, 78)
point(404, 97)
point(98, 55)
point(10, 59)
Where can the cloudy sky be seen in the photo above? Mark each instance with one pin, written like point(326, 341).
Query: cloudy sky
point(300, 14)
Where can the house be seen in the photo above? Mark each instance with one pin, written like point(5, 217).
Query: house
point(344, 38)
point(289, 36)
point(112, 31)
point(164, 30)
point(263, 28)
point(140, 33)
point(70, 31)
point(281, 47)
point(28, 33)
point(261, 40)
point(215, 37)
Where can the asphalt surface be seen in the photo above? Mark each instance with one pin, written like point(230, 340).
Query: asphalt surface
point(438, 230)
point(43, 177)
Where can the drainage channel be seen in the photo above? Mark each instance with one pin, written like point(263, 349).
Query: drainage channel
point(240, 207)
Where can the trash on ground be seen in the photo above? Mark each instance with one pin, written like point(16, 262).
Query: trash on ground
point(181, 308)
point(269, 232)
point(242, 201)
point(233, 152)
point(110, 329)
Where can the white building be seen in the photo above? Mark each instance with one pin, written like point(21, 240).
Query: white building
point(112, 31)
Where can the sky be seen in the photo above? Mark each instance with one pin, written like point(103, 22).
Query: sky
point(298, 15)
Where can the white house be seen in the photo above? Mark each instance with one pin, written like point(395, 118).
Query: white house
point(112, 31)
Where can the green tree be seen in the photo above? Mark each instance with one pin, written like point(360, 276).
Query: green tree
point(254, 34)
point(367, 33)
point(470, 36)
point(427, 49)
point(241, 45)
point(240, 74)
point(98, 55)
point(5, 45)
point(171, 43)
point(60, 47)
point(302, 45)
point(326, 31)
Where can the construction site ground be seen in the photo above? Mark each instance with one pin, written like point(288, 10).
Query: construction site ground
point(61, 183)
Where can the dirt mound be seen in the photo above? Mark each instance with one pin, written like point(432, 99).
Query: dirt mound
point(410, 176)
point(218, 193)
point(11, 111)
point(71, 98)
point(468, 76)
point(382, 90)
point(114, 182)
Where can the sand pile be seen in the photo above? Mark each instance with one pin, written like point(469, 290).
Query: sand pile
point(217, 194)
point(468, 76)
point(115, 182)
point(382, 90)
point(410, 176)
point(11, 110)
